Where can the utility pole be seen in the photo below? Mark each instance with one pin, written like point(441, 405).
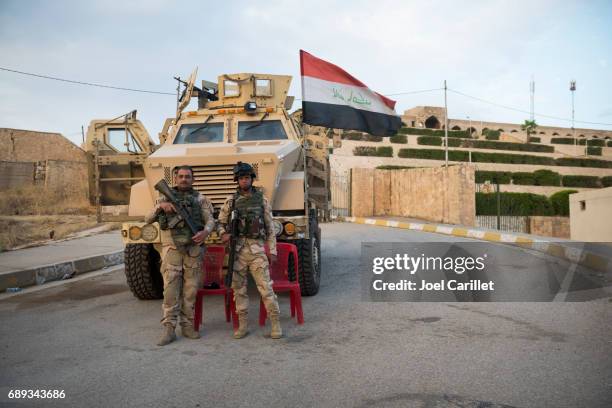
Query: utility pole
point(532, 99)
point(573, 89)
point(445, 128)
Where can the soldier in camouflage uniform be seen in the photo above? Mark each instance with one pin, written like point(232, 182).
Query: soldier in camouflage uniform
point(181, 254)
point(255, 230)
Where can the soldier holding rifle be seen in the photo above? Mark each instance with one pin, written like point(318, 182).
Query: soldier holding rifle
point(186, 218)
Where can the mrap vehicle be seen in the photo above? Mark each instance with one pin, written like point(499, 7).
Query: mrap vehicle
point(243, 117)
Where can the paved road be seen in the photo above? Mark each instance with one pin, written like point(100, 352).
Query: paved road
point(94, 340)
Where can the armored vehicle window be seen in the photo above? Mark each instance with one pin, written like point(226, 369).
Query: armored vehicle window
point(117, 139)
point(257, 130)
point(200, 133)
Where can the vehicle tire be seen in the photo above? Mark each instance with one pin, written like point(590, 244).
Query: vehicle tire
point(142, 264)
point(309, 252)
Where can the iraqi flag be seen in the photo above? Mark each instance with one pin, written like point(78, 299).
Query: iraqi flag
point(333, 98)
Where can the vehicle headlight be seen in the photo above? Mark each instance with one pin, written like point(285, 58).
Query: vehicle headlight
point(289, 228)
point(135, 233)
point(278, 227)
point(149, 232)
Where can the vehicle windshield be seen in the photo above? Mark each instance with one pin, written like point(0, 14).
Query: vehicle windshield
point(256, 130)
point(200, 133)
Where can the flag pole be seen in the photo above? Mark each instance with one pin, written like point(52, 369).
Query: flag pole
point(445, 128)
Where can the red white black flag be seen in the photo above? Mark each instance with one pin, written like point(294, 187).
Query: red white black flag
point(333, 98)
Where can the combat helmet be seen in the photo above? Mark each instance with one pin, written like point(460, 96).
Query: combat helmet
point(243, 169)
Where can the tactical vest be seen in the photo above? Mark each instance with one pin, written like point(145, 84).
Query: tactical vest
point(251, 215)
point(181, 234)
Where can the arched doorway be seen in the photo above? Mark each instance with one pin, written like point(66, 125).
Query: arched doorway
point(455, 128)
point(432, 123)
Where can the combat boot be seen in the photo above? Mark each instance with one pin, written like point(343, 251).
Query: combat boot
point(168, 335)
point(275, 332)
point(189, 332)
point(243, 329)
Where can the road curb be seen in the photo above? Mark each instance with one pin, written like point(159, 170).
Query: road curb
point(58, 271)
point(557, 249)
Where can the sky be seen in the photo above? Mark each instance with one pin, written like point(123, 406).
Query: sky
point(486, 49)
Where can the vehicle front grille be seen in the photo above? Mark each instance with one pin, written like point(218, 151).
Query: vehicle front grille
point(216, 182)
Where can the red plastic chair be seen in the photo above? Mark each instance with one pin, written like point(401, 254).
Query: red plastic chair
point(279, 273)
point(212, 272)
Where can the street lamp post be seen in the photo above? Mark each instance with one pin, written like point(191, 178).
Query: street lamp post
point(573, 89)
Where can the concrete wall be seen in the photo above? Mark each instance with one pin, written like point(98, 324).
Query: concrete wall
point(557, 227)
point(440, 194)
point(29, 146)
point(591, 215)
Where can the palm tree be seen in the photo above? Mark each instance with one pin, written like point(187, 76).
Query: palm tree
point(530, 128)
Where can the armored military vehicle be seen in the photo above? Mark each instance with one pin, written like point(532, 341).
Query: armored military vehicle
point(243, 117)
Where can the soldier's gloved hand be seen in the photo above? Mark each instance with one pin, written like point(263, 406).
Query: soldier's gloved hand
point(225, 238)
point(167, 207)
point(200, 237)
point(271, 258)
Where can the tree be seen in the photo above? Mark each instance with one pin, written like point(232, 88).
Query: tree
point(530, 128)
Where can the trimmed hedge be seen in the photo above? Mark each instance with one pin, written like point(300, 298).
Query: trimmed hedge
point(581, 142)
point(502, 177)
point(606, 181)
point(545, 177)
point(381, 151)
point(594, 151)
point(581, 181)
point(372, 138)
point(364, 151)
point(398, 139)
point(578, 162)
point(433, 132)
point(609, 143)
point(513, 204)
point(352, 136)
point(533, 139)
point(523, 178)
point(482, 157)
point(560, 202)
point(393, 167)
point(492, 134)
point(484, 144)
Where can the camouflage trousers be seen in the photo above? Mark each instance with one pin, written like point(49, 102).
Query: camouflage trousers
point(182, 273)
point(252, 258)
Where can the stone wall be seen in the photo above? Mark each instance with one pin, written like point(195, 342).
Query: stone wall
point(556, 227)
point(30, 146)
point(440, 194)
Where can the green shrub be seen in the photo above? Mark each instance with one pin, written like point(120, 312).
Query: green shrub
point(433, 154)
point(384, 151)
point(581, 181)
point(364, 151)
point(533, 139)
point(398, 139)
point(562, 140)
point(594, 142)
point(609, 143)
point(372, 138)
point(492, 134)
point(523, 147)
point(481, 157)
point(330, 150)
point(433, 132)
point(606, 181)
point(513, 204)
point(545, 177)
point(353, 136)
point(393, 167)
point(594, 151)
point(560, 202)
point(579, 162)
point(523, 178)
point(429, 140)
point(501, 177)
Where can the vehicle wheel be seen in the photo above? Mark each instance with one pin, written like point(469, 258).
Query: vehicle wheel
point(142, 265)
point(309, 252)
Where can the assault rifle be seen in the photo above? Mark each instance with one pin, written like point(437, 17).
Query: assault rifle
point(181, 212)
point(233, 222)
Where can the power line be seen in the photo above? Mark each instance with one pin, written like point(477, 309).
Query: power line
point(524, 111)
point(86, 83)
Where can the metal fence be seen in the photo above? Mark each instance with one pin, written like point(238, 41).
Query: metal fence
point(510, 223)
point(340, 186)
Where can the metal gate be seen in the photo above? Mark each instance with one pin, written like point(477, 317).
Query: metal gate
point(340, 186)
point(498, 218)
